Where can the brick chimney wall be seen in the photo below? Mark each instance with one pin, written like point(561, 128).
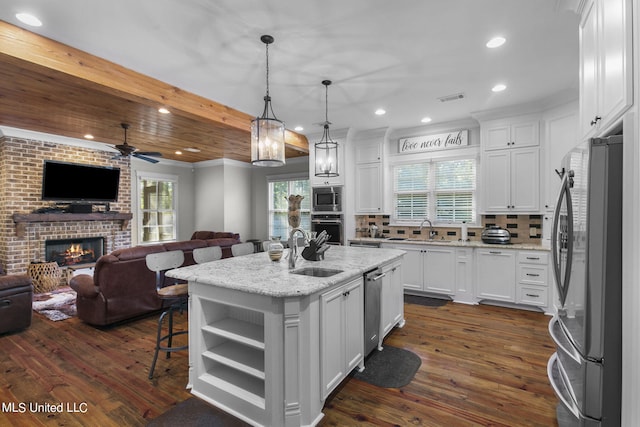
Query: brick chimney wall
point(21, 162)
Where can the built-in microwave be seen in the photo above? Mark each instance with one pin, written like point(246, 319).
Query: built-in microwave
point(327, 199)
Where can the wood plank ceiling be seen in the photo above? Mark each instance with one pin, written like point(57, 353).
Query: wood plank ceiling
point(53, 88)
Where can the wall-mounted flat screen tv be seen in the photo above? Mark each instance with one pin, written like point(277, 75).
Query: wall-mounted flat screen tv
point(78, 183)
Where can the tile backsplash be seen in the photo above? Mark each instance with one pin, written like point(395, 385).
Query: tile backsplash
point(523, 228)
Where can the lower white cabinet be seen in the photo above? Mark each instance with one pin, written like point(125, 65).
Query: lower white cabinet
point(496, 274)
point(341, 333)
point(392, 299)
point(533, 279)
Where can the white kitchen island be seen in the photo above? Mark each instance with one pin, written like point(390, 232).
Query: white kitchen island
point(267, 345)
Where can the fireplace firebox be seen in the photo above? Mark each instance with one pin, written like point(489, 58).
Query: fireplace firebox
point(65, 252)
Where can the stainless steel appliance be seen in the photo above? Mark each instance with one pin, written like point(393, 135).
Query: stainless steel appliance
point(332, 224)
point(327, 199)
point(586, 369)
point(372, 296)
point(495, 235)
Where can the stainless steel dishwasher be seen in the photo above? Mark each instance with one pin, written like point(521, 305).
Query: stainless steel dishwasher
point(372, 306)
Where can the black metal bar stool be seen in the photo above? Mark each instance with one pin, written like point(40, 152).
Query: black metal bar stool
point(175, 294)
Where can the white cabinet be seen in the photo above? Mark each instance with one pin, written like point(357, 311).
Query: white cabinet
point(511, 134)
point(605, 64)
point(341, 333)
point(533, 279)
point(429, 268)
point(368, 176)
point(511, 180)
point(496, 274)
point(392, 310)
point(464, 275)
point(368, 188)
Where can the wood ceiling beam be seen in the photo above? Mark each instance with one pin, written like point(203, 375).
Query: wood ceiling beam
point(35, 52)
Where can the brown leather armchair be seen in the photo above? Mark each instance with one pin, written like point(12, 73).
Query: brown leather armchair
point(16, 295)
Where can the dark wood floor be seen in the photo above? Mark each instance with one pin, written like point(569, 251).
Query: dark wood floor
point(481, 366)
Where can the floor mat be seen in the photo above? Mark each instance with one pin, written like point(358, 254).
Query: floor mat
point(56, 305)
point(390, 368)
point(195, 412)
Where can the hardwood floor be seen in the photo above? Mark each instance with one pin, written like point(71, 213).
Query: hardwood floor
point(481, 366)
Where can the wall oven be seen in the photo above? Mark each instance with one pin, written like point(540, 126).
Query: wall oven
point(332, 224)
point(327, 199)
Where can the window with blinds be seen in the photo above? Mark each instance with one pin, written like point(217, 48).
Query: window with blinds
point(444, 191)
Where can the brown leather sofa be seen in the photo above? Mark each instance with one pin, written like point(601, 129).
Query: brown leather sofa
point(16, 294)
point(123, 288)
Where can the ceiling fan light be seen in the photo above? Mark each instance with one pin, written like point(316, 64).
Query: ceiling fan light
point(267, 132)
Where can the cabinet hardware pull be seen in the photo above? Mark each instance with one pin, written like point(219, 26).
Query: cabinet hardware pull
point(346, 294)
point(533, 295)
point(595, 120)
point(533, 274)
point(495, 252)
point(532, 257)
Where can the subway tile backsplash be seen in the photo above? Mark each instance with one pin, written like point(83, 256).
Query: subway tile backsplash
point(523, 228)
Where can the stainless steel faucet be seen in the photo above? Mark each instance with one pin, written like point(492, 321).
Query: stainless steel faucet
point(432, 234)
point(293, 245)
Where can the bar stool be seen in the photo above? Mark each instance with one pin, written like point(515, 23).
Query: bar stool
point(240, 249)
point(210, 253)
point(175, 294)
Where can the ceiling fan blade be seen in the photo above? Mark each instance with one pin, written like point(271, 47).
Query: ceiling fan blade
point(149, 153)
point(148, 159)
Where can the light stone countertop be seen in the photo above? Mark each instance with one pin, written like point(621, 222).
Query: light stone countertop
point(257, 274)
point(453, 243)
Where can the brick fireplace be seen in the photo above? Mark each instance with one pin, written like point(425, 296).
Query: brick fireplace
point(21, 163)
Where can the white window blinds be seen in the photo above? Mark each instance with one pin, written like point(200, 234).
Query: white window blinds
point(444, 191)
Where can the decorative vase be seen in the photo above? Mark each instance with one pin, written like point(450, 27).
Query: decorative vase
point(294, 210)
point(275, 249)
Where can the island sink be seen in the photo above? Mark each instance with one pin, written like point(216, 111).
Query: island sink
point(316, 271)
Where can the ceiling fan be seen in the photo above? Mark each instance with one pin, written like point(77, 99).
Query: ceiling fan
point(127, 150)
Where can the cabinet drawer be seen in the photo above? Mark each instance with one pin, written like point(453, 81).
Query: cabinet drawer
point(536, 257)
point(533, 274)
point(532, 295)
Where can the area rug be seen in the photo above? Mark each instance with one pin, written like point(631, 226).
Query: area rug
point(56, 305)
point(426, 301)
point(390, 368)
point(195, 412)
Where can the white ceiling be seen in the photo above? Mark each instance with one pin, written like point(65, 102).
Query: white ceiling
point(398, 55)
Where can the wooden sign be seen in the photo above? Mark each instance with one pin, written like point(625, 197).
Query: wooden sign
point(441, 141)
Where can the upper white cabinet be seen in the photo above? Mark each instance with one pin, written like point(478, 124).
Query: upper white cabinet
point(340, 137)
point(369, 173)
point(518, 133)
point(606, 89)
point(511, 180)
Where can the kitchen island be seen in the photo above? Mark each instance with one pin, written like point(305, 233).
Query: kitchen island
point(268, 344)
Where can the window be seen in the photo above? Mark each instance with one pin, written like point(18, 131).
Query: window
point(443, 190)
point(279, 191)
point(157, 208)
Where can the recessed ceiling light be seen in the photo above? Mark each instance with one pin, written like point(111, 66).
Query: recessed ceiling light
point(178, 152)
point(88, 136)
point(496, 42)
point(499, 87)
point(298, 128)
point(163, 110)
point(192, 149)
point(426, 119)
point(29, 19)
point(380, 112)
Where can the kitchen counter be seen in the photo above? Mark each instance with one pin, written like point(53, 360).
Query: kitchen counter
point(257, 274)
point(268, 346)
point(453, 243)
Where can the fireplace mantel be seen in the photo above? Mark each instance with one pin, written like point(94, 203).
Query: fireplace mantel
point(21, 220)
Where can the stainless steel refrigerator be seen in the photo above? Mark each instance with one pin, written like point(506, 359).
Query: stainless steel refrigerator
point(586, 369)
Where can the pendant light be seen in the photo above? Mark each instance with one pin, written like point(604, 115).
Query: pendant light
point(326, 150)
point(267, 132)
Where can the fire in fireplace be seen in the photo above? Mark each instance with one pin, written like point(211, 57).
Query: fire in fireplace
point(74, 251)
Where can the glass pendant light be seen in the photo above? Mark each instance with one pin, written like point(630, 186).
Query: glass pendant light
point(326, 150)
point(267, 132)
